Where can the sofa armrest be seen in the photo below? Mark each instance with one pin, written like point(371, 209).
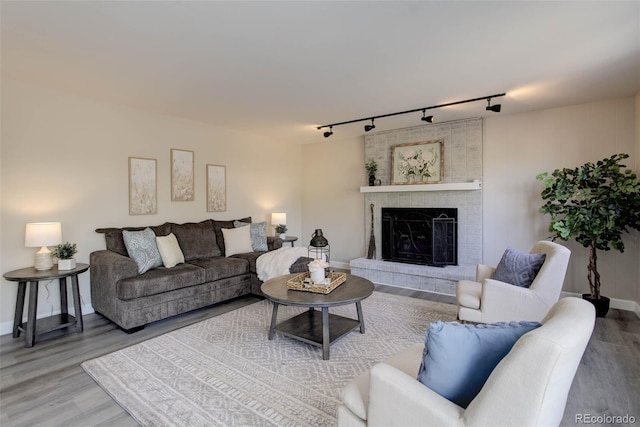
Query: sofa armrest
point(397, 399)
point(107, 269)
point(274, 242)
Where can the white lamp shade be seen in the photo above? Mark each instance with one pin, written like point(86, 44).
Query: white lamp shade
point(38, 234)
point(278, 218)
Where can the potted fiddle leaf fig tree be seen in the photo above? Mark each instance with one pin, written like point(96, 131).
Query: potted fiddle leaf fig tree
point(595, 204)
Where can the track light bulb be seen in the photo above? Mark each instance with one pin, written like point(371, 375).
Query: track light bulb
point(428, 119)
point(328, 133)
point(495, 108)
point(367, 128)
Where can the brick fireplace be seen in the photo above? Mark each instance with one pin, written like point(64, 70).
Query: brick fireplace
point(460, 190)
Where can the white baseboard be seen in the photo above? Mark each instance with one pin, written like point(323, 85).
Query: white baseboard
point(620, 304)
point(7, 327)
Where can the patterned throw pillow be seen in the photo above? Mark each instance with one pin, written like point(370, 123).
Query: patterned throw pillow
point(458, 359)
point(142, 248)
point(518, 268)
point(258, 234)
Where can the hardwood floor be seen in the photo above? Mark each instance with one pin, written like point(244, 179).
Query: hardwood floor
point(45, 385)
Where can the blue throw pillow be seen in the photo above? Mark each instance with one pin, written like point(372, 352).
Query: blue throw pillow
point(518, 268)
point(458, 359)
point(142, 248)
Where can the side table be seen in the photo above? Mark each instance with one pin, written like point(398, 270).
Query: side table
point(289, 239)
point(52, 323)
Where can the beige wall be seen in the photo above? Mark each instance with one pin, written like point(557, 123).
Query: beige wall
point(638, 173)
point(516, 148)
point(333, 170)
point(65, 158)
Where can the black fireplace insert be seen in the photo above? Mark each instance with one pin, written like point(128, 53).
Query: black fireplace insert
point(426, 236)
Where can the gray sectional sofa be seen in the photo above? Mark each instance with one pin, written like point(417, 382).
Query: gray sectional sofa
point(131, 300)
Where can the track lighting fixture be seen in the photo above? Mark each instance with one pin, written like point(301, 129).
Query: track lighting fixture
point(429, 119)
point(495, 108)
point(367, 128)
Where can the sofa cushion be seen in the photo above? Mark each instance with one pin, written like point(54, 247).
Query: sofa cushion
point(221, 268)
point(197, 240)
point(160, 280)
point(258, 234)
point(170, 251)
point(458, 359)
point(518, 268)
point(142, 248)
point(219, 225)
point(251, 258)
point(115, 242)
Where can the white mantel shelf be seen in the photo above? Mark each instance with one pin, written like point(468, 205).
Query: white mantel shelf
point(447, 186)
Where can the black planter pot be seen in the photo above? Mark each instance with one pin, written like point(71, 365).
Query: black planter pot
point(601, 305)
point(372, 180)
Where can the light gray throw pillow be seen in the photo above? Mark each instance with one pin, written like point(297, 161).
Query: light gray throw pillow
point(142, 248)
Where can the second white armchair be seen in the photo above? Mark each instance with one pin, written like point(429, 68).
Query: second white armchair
point(487, 300)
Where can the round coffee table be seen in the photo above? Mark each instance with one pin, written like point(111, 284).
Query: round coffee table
point(319, 328)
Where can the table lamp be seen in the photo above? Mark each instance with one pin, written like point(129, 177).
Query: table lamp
point(43, 234)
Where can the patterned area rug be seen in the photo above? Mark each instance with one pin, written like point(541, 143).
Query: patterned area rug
point(224, 370)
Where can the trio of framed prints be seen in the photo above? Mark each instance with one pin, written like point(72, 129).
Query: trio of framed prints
point(143, 187)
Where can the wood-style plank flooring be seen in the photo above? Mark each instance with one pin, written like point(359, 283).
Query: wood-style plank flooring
point(46, 386)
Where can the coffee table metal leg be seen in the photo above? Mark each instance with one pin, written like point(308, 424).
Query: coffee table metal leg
point(360, 317)
point(274, 317)
point(325, 333)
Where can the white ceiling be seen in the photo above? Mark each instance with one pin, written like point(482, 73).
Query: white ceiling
point(281, 68)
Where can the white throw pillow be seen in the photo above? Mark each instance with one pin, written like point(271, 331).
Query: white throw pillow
point(170, 250)
point(237, 241)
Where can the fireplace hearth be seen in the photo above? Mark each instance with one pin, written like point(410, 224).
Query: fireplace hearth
point(426, 236)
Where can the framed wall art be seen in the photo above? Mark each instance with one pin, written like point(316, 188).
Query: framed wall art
point(143, 189)
point(216, 188)
point(417, 163)
point(182, 186)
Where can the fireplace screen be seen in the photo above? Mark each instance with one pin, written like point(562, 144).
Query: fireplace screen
point(420, 235)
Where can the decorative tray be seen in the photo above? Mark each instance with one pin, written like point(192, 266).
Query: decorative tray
point(334, 280)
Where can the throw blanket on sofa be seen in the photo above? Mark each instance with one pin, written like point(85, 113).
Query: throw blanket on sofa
point(277, 263)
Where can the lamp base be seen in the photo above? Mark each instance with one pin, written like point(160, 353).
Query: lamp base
point(44, 260)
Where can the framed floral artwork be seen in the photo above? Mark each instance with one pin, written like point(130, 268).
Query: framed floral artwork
point(143, 190)
point(182, 175)
point(216, 188)
point(417, 163)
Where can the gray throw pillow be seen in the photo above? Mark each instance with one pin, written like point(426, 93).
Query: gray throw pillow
point(258, 234)
point(142, 248)
point(518, 268)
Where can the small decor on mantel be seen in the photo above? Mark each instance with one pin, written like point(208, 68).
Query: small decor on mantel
point(372, 167)
point(65, 252)
point(595, 204)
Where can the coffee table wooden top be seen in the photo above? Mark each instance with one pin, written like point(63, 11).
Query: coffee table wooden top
point(354, 289)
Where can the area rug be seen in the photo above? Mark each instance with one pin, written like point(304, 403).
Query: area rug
point(224, 370)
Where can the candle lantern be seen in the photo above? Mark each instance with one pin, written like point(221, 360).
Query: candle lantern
point(319, 247)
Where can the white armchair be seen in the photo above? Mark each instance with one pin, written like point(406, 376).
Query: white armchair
point(529, 387)
point(486, 300)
